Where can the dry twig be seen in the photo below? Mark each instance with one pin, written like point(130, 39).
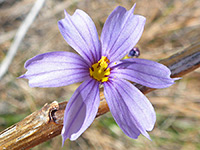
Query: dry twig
point(47, 123)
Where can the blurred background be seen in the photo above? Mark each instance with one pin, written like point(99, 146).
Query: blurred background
point(171, 26)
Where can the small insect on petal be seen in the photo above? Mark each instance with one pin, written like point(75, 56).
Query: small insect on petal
point(135, 52)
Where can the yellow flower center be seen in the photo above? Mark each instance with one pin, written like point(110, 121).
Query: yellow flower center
point(100, 70)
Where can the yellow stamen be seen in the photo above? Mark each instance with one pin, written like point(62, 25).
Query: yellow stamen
point(126, 57)
point(100, 70)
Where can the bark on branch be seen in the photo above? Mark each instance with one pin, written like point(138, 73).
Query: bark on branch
point(46, 123)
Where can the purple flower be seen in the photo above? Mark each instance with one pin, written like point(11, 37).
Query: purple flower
point(99, 64)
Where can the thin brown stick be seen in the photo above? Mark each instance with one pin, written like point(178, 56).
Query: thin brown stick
point(46, 123)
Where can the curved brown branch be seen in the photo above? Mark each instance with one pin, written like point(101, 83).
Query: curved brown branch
point(46, 123)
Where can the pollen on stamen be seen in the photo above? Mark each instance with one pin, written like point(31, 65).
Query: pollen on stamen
point(92, 68)
point(100, 71)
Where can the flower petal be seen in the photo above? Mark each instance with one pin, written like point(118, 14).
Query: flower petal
point(121, 32)
point(80, 33)
point(81, 109)
point(145, 72)
point(55, 69)
point(130, 108)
